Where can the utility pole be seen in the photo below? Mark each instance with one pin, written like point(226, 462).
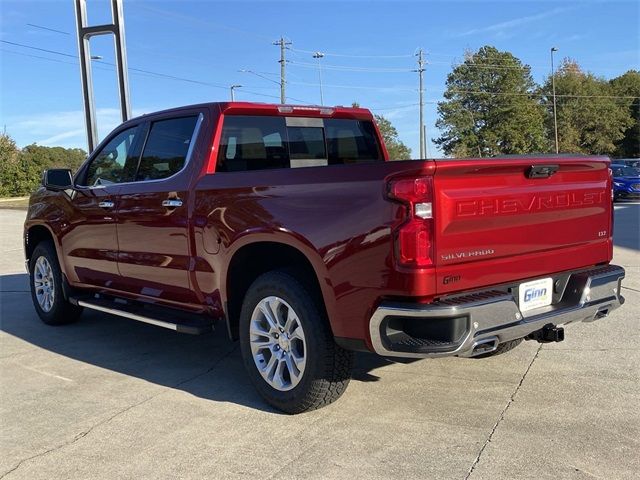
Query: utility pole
point(420, 71)
point(426, 142)
point(283, 46)
point(553, 86)
point(320, 55)
point(232, 88)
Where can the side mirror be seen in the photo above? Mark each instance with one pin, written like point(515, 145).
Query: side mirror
point(57, 179)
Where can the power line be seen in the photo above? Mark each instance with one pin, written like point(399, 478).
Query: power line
point(413, 89)
point(391, 107)
point(259, 75)
point(47, 28)
point(406, 107)
point(156, 53)
point(351, 56)
point(39, 49)
point(491, 67)
point(183, 79)
point(200, 21)
point(357, 87)
point(38, 56)
point(132, 69)
point(531, 94)
point(149, 72)
point(347, 68)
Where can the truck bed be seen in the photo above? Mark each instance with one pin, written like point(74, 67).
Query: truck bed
point(492, 225)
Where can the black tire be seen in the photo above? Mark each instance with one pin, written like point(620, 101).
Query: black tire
point(61, 312)
point(328, 367)
point(502, 348)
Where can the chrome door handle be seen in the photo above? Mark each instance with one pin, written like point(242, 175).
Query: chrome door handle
point(172, 203)
point(107, 204)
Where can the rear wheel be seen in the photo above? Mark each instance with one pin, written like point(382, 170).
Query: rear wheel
point(46, 287)
point(502, 348)
point(287, 345)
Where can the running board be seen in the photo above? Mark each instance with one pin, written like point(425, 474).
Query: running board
point(179, 321)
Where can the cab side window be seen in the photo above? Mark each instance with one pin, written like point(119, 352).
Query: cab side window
point(165, 151)
point(253, 143)
point(114, 162)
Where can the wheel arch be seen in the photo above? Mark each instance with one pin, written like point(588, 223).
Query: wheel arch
point(37, 233)
point(251, 260)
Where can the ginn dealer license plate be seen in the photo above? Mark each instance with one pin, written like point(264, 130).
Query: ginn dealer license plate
point(535, 294)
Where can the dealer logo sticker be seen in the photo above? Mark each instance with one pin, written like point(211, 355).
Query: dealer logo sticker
point(535, 294)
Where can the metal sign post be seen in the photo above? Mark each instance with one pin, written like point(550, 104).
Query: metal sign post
point(85, 33)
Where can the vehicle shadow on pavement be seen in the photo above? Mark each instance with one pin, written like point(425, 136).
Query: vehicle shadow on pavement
point(626, 226)
point(208, 366)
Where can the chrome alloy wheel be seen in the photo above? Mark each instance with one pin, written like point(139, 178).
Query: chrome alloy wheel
point(44, 284)
point(277, 343)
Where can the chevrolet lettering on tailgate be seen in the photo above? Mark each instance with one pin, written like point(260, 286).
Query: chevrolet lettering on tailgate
point(535, 203)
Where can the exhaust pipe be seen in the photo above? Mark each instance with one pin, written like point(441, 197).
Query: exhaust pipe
point(547, 334)
point(487, 345)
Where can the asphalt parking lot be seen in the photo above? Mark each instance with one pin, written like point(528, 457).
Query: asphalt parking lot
point(112, 398)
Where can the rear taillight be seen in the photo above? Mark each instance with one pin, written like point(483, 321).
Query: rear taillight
point(414, 236)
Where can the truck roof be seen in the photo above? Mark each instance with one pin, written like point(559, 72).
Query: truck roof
point(256, 108)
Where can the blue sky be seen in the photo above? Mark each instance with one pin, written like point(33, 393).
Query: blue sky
point(368, 46)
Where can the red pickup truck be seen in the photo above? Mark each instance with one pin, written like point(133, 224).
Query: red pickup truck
point(289, 225)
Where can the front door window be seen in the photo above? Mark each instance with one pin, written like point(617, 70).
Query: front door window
point(114, 163)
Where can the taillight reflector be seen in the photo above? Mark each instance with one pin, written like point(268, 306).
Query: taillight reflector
point(414, 244)
point(414, 236)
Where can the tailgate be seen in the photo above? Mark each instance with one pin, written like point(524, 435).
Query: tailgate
point(495, 224)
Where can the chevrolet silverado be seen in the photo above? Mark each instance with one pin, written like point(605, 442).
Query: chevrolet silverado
point(289, 226)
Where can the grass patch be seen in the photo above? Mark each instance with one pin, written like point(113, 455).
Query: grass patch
point(20, 203)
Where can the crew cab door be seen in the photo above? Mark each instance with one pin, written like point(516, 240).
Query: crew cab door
point(90, 245)
point(154, 255)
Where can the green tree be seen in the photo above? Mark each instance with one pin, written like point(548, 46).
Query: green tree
point(8, 150)
point(17, 177)
point(21, 170)
point(54, 157)
point(589, 120)
point(396, 149)
point(628, 85)
point(490, 107)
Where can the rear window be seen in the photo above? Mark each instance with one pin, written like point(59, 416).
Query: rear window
point(351, 141)
point(166, 148)
point(267, 142)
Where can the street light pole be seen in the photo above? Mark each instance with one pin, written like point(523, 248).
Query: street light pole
point(232, 88)
point(84, 34)
point(320, 55)
point(553, 87)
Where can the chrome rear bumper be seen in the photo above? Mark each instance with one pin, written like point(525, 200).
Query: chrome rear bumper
point(486, 319)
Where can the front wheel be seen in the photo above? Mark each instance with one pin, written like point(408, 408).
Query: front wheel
point(288, 348)
point(46, 287)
